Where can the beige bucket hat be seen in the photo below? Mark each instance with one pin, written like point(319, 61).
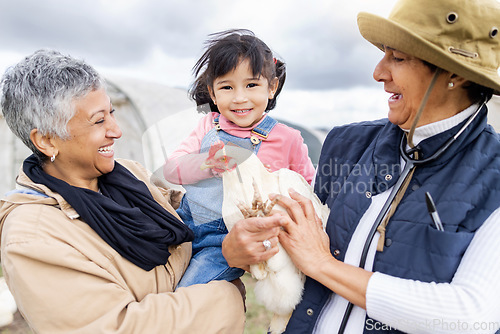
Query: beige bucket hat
point(459, 36)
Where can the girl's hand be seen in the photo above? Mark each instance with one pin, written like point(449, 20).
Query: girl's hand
point(218, 160)
point(243, 245)
point(222, 162)
point(303, 236)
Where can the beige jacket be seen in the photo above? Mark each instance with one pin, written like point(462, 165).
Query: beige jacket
point(66, 279)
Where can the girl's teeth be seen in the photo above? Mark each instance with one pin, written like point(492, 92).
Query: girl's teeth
point(241, 111)
point(395, 97)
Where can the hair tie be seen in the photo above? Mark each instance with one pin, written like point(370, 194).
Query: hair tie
point(275, 61)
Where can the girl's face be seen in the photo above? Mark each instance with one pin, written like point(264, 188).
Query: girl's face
point(88, 153)
point(407, 79)
point(242, 97)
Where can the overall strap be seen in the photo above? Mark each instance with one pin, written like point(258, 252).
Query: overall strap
point(216, 122)
point(259, 133)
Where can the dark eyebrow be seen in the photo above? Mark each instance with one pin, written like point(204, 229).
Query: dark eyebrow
point(229, 81)
point(222, 82)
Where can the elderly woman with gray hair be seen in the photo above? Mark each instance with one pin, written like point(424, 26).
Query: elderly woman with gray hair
point(411, 243)
point(90, 244)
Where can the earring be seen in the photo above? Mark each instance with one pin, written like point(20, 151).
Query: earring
point(450, 84)
point(53, 157)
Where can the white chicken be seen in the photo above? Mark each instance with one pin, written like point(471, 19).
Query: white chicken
point(279, 283)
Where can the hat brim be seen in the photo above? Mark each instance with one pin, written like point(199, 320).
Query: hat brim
point(382, 32)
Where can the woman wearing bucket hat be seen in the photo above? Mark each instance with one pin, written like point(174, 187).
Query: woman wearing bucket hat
point(411, 241)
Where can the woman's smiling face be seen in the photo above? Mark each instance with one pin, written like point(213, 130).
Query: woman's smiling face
point(407, 78)
point(88, 153)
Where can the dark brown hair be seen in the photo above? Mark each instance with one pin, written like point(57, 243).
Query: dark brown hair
point(224, 52)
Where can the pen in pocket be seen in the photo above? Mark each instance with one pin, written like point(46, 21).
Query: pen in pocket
point(431, 207)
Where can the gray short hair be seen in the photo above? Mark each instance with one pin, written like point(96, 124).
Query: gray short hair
point(39, 93)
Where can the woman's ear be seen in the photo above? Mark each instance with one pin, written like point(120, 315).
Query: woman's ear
point(212, 95)
point(44, 143)
point(273, 87)
point(456, 81)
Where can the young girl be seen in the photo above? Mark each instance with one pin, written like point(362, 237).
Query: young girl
point(238, 79)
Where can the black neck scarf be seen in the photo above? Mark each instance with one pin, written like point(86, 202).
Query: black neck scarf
point(125, 215)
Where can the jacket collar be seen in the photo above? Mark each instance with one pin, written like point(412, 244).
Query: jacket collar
point(431, 145)
point(386, 155)
point(23, 181)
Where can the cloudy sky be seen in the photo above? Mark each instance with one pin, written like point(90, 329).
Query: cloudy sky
point(329, 64)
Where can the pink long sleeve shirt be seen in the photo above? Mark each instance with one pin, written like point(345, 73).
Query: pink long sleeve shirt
point(283, 148)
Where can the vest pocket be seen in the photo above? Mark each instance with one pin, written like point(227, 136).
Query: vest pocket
point(444, 251)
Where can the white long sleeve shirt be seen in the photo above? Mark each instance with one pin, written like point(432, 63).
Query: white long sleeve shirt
point(470, 303)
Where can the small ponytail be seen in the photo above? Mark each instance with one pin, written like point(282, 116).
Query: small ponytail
point(281, 75)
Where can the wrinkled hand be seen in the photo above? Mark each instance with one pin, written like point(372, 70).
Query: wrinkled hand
point(302, 235)
point(243, 246)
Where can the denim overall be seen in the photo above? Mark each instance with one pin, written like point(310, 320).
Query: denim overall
point(201, 210)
